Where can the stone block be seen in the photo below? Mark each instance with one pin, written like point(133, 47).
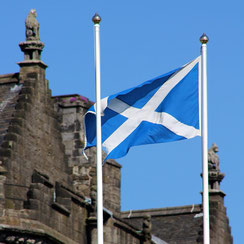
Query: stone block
point(29, 83)
point(67, 128)
point(35, 194)
point(32, 204)
point(76, 153)
point(77, 136)
point(41, 178)
point(17, 121)
point(5, 152)
point(77, 125)
point(15, 129)
point(79, 144)
point(64, 201)
point(62, 209)
point(9, 204)
point(70, 119)
point(32, 75)
point(27, 90)
point(20, 113)
point(67, 136)
point(61, 192)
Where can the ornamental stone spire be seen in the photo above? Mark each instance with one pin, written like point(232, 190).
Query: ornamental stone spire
point(32, 46)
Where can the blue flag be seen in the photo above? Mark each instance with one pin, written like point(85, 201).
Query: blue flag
point(163, 109)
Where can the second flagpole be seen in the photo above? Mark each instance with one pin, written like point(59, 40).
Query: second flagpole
point(206, 225)
point(96, 20)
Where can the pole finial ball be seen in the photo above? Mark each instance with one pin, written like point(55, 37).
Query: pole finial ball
point(96, 19)
point(204, 39)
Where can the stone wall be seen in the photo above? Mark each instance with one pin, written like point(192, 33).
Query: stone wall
point(8, 95)
point(220, 230)
point(71, 110)
point(36, 188)
point(111, 185)
point(44, 178)
point(35, 134)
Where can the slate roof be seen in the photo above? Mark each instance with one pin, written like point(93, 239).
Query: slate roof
point(9, 91)
point(171, 224)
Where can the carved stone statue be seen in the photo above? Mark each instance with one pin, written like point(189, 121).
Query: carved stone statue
point(32, 27)
point(213, 158)
point(147, 228)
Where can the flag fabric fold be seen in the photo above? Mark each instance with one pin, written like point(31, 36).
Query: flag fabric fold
point(163, 109)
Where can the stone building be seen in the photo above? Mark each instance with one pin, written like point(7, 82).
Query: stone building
point(48, 189)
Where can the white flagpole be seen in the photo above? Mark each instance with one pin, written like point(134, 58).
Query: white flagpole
point(96, 20)
point(206, 225)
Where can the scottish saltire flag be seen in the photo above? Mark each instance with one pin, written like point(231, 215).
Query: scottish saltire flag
point(163, 109)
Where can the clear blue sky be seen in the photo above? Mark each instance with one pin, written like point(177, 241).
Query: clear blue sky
point(141, 40)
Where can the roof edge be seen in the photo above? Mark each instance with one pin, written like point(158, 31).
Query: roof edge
point(9, 78)
point(188, 209)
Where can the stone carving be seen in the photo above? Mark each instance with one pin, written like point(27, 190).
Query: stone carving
point(147, 228)
point(21, 240)
point(10, 239)
point(32, 47)
point(32, 27)
point(214, 174)
point(93, 195)
point(213, 158)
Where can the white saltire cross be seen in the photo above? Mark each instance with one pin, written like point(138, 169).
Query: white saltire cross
point(147, 113)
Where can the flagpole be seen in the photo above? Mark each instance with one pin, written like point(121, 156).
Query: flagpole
point(206, 225)
point(96, 20)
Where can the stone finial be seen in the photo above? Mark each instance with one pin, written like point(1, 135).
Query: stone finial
point(213, 158)
point(32, 27)
point(215, 176)
point(32, 46)
point(147, 228)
